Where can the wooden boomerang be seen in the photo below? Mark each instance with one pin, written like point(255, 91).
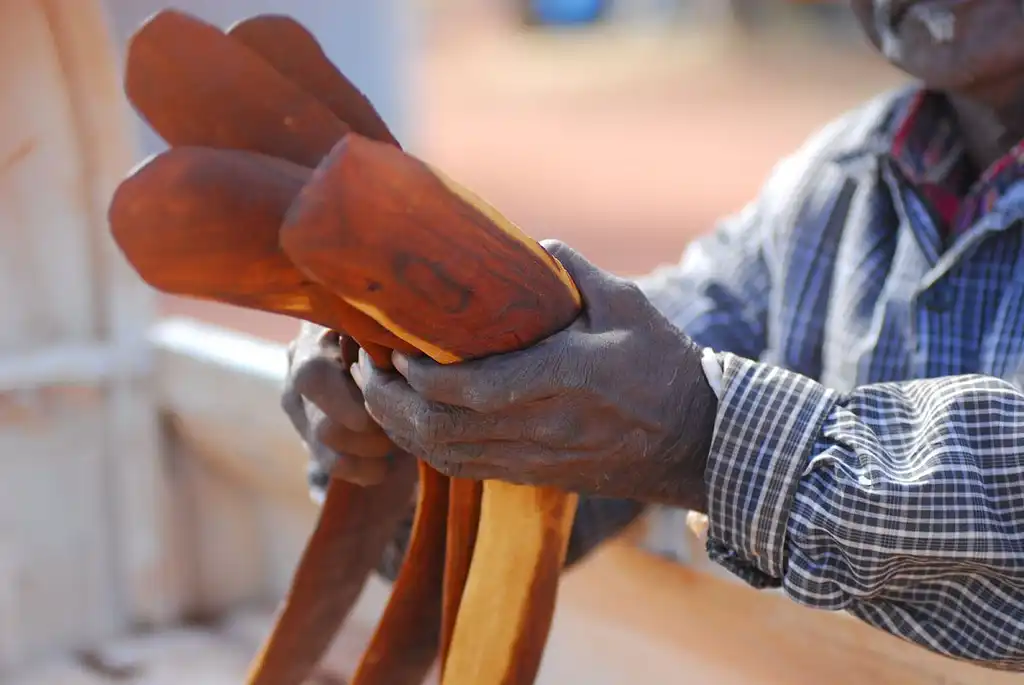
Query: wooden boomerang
point(445, 272)
point(291, 49)
point(245, 143)
point(177, 220)
point(171, 83)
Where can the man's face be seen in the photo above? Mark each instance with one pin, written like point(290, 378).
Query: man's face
point(954, 45)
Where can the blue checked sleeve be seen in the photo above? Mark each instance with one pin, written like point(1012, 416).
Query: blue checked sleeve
point(901, 503)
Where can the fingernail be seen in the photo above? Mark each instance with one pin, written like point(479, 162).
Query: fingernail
point(401, 363)
point(356, 372)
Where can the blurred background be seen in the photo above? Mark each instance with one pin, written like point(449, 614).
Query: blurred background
point(623, 127)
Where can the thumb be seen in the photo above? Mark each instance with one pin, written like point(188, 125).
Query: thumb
point(586, 276)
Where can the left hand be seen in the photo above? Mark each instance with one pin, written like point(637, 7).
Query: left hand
point(615, 405)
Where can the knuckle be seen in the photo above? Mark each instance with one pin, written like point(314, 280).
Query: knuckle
point(557, 430)
point(554, 246)
point(630, 290)
point(483, 398)
point(309, 374)
point(433, 426)
point(421, 379)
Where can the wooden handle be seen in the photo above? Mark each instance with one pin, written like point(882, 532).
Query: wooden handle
point(296, 54)
point(174, 63)
point(176, 52)
point(405, 643)
point(446, 273)
point(509, 600)
point(345, 547)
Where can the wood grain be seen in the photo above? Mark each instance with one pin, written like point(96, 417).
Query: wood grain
point(509, 599)
point(446, 273)
point(295, 52)
point(196, 86)
point(405, 643)
point(170, 81)
point(204, 223)
point(354, 526)
point(290, 48)
point(263, 69)
point(465, 498)
point(437, 271)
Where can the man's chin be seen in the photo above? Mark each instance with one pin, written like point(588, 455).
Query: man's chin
point(961, 49)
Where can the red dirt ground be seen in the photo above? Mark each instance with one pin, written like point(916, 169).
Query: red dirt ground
point(623, 144)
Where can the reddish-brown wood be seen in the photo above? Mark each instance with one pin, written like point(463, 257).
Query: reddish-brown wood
point(446, 273)
point(405, 644)
point(386, 233)
point(195, 86)
point(291, 49)
point(295, 52)
point(204, 223)
point(176, 51)
point(464, 500)
point(354, 526)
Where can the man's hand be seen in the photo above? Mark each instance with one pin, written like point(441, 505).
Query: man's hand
point(327, 410)
point(616, 405)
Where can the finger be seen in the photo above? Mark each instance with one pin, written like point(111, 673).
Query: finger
point(606, 296)
point(372, 444)
point(415, 424)
point(364, 472)
point(585, 274)
point(324, 382)
point(294, 407)
point(491, 385)
point(327, 463)
point(508, 461)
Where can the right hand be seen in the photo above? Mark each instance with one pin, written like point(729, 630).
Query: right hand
point(327, 410)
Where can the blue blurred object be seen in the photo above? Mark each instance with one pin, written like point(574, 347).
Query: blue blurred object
point(567, 12)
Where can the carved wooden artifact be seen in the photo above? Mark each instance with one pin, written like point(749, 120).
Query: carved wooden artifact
point(375, 243)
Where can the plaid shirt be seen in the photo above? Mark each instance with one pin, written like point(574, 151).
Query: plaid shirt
point(868, 313)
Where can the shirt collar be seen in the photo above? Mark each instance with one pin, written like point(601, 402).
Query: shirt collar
point(921, 138)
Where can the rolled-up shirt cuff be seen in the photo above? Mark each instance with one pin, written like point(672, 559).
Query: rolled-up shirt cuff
point(767, 423)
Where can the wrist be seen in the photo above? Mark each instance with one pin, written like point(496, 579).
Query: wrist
point(696, 408)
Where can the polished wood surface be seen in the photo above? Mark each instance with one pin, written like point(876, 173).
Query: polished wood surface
point(290, 48)
point(194, 86)
point(504, 293)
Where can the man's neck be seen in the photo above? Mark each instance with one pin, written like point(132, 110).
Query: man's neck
point(993, 124)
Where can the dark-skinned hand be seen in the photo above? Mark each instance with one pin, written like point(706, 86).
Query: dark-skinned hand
point(616, 405)
point(327, 410)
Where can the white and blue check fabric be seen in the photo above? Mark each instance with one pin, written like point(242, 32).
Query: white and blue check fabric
point(869, 445)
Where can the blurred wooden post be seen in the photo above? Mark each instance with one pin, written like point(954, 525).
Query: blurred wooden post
point(85, 534)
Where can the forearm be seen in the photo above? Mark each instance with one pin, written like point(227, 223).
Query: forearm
point(597, 520)
point(900, 503)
